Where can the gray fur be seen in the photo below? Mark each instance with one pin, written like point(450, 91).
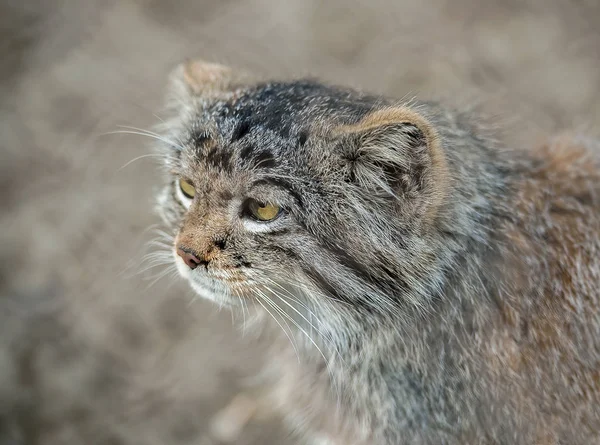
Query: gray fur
point(425, 308)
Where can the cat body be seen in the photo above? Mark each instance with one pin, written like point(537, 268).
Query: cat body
point(433, 286)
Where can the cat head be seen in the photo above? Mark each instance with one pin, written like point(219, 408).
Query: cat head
point(322, 192)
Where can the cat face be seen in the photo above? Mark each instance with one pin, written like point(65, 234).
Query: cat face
point(296, 187)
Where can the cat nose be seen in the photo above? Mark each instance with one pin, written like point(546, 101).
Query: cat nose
point(189, 258)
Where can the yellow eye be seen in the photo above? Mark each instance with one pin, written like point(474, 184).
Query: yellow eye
point(263, 212)
point(187, 188)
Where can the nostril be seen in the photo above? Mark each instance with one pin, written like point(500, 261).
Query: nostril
point(189, 258)
point(191, 261)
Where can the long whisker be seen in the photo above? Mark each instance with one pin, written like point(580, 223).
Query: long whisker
point(153, 265)
point(181, 143)
point(302, 330)
point(227, 275)
point(326, 338)
point(307, 291)
point(162, 233)
point(244, 306)
point(140, 133)
point(277, 309)
point(160, 244)
point(279, 324)
point(169, 270)
point(128, 127)
point(285, 290)
point(294, 299)
point(150, 155)
point(149, 260)
point(241, 300)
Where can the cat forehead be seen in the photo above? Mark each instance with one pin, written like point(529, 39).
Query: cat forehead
point(259, 126)
point(287, 108)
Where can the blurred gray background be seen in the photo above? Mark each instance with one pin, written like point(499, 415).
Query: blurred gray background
point(93, 349)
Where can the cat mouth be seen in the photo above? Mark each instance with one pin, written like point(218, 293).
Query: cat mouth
point(222, 286)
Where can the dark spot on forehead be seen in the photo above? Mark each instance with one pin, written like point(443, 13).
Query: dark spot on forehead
point(256, 159)
point(225, 195)
point(240, 131)
point(246, 151)
point(302, 137)
point(264, 159)
point(219, 158)
point(199, 137)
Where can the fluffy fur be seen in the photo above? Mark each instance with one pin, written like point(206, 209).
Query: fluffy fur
point(436, 286)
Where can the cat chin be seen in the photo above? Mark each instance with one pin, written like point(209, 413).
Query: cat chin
point(205, 287)
point(221, 298)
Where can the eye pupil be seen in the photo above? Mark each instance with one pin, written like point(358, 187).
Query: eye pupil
point(263, 212)
point(187, 188)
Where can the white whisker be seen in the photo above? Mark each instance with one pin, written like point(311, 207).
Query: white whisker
point(279, 324)
point(150, 155)
point(181, 143)
point(152, 136)
point(168, 270)
point(286, 300)
point(301, 330)
point(241, 300)
point(293, 298)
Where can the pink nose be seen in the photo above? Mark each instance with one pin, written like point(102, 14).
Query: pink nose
point(189, 258)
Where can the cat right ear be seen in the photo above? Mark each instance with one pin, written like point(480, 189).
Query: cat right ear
point(398, 152)
point(197, 78)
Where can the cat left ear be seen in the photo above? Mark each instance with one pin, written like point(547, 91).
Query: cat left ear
point(198, 77)
point(397, 151)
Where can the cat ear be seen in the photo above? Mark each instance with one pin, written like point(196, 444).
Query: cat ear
point(398, 152)
point(197, 77)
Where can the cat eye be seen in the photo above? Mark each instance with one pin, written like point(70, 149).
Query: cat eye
point(262, 212)
point(187, 188)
